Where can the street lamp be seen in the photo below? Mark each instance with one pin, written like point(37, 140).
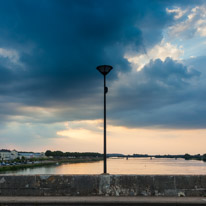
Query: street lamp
point(105, 69)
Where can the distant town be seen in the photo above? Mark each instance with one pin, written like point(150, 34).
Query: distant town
point(13, 159)
point(7, 155)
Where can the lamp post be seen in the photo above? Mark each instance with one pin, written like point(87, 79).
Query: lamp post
point(105, 69)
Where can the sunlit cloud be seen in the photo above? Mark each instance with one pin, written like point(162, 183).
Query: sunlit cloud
point(159, 51)
point(177, 11)
point(194, 24)
point(84, 129)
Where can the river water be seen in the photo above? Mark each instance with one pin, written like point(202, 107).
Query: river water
point(162, 166)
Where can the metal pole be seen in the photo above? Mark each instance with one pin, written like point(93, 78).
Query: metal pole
point(105, 150)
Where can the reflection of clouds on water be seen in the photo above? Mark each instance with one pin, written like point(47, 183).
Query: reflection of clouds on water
point(122, 166)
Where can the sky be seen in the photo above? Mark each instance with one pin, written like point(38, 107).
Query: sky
point(51, 95)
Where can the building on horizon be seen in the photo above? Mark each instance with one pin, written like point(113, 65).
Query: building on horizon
point(29, 155)
point(7, 155)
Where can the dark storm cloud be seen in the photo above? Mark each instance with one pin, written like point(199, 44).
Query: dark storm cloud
point(69, 39)
point(58, 45)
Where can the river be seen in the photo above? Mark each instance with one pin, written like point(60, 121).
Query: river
point(162, 166)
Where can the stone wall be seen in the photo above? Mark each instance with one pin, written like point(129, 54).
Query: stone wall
point(103, 185)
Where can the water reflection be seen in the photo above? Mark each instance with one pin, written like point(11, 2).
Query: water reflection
point(123, 166)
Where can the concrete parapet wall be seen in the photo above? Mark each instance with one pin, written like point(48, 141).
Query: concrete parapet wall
point(103, 185)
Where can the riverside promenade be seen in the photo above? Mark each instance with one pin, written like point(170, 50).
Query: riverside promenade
point(102, 190)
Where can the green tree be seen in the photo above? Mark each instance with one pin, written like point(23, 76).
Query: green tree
point(48, 153)
point(204, 157)
point(187, 156)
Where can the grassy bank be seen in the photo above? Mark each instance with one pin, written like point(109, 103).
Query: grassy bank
point(47, 163)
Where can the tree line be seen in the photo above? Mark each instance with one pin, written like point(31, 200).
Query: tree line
point(195, 157)
point(57, 154)
point(50, 153)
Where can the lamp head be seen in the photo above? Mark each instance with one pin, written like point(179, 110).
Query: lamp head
point(104, 69)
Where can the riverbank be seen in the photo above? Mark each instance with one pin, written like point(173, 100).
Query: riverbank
point(47, 163)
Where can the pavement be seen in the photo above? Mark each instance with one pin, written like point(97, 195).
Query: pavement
point(99, 200)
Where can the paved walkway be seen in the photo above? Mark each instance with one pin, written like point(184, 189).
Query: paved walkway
point(96, 200)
